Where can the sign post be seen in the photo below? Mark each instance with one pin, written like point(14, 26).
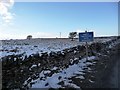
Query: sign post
point(86, 37)
point(86, 51)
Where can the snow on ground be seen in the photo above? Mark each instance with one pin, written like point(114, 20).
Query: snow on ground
point(33, 46)
point(63, 76)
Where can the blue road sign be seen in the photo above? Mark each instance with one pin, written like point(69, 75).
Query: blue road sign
point(86, 37)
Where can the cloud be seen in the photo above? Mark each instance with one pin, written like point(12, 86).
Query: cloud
point(5, 6)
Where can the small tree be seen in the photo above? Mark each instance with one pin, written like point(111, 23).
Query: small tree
point(29, 37)
point(72, 35)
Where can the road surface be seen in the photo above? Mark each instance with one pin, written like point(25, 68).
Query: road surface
point(113, 77)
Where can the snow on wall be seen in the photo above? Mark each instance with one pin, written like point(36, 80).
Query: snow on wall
point(52, 82)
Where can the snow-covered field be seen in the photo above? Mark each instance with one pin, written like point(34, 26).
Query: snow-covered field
point(33, 46)
point(55, 76)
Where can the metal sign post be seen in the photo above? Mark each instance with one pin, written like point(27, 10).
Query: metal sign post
point(86, 51)
point(86, 47)
point(86, 37)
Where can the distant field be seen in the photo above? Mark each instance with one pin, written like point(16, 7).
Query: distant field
point(39, 45)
